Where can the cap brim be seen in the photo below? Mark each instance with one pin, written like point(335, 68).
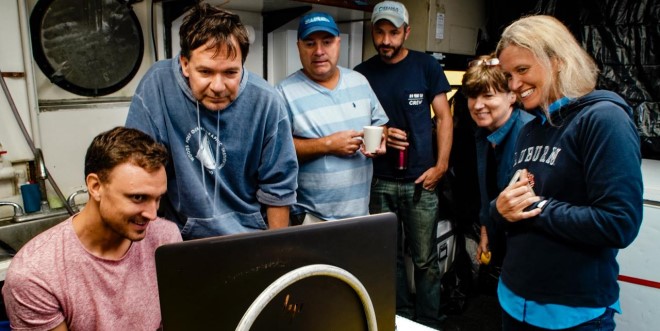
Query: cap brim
point(315, 29)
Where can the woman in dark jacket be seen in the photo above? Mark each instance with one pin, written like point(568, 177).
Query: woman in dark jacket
point(578, 197)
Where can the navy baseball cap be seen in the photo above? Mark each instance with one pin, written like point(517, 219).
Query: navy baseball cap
point(315, 22)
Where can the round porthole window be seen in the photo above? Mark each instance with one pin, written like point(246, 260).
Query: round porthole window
point(90, 48)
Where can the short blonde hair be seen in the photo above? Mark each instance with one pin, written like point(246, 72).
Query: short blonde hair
point(549, 40)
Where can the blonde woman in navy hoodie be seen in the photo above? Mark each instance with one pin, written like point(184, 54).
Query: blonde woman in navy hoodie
point(578, 197)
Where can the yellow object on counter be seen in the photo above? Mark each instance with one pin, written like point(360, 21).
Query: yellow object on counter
point(54, 201)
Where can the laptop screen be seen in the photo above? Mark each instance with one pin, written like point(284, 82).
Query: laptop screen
point(209, 284)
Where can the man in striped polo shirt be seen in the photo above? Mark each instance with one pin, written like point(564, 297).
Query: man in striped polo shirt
point(328, 106)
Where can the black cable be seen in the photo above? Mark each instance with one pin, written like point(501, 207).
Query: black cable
point(153, 33)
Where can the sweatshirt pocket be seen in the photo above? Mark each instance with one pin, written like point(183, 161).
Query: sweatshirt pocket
point(229, 223)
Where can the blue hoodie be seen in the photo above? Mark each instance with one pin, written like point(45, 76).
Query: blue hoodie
point(587, 165)
point(225, 165)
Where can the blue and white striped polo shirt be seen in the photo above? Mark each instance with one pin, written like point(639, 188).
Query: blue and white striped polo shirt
point(332, 187)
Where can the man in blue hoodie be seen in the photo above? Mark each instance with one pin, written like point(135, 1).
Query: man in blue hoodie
point(233, 166)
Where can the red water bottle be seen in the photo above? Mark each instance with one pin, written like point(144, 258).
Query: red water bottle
point(402, 160)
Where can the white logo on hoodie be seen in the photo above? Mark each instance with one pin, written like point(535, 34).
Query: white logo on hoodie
point(210, 152)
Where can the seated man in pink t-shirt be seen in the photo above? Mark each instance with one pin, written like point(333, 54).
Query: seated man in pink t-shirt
point(96, 270)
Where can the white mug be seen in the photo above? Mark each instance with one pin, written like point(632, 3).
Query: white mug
point(372, 138)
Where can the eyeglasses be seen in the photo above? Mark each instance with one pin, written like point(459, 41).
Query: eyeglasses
point(484, 62)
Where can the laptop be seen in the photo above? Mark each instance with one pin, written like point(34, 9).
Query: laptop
point(209, 284)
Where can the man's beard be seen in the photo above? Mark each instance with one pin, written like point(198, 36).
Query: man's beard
point(395, 52)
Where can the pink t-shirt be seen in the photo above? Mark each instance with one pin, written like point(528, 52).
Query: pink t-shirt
point(53, 278)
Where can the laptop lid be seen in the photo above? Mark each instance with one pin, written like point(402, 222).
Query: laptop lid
point(208, 284)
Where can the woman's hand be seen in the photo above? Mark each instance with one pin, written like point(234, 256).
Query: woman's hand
point(511, 202)
point(482, 249)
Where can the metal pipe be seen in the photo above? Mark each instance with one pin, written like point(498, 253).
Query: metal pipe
point(33, 104)
point(19, 120)
point(42, 174)
point(26, 46)
point(40, 170)
point(71, 200)
point(18, 211)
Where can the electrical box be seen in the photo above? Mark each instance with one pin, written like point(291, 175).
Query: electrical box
point(445, 26)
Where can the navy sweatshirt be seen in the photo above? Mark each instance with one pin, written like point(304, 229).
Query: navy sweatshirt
point(588, 167)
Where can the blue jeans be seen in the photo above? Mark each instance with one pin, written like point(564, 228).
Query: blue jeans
point(418, 222)
point(603, 322)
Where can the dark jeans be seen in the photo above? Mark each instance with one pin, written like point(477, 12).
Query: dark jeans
point(603, 322)
point(418, 221)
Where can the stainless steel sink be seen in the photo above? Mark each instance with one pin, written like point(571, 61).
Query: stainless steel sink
point(18, 234)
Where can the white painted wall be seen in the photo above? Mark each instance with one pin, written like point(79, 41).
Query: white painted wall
point(642, 260)
point(67, 133)
point(11, 60)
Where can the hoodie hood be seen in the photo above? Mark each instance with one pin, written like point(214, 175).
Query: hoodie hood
point(586, 100)
point(602, 95)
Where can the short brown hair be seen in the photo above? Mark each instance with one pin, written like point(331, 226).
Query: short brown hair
point(482, 75)
point(123, 145)
point(205, 23)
